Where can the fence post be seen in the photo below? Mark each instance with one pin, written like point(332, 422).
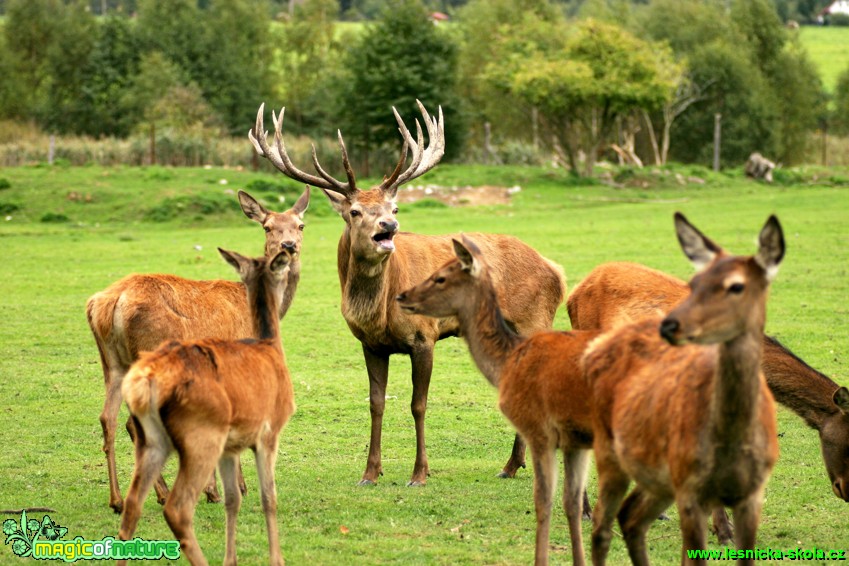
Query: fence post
point(717, 139)
point(51, 149)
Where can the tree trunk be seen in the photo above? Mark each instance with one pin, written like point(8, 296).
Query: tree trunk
point(717, 139)
point(652, 138)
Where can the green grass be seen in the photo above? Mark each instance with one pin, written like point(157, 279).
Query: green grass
point(827, 47)
point(53, 393)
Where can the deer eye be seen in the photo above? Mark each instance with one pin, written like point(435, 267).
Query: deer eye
point(736, 288)
point(301, 227)
point(395, 210)
point(439, 280)
point(267, 229)
point(355, 213)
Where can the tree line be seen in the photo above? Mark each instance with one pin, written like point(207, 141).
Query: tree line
point(517, 79)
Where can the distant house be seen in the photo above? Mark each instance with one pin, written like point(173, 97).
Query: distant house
point(437, 17)
point(836, 7)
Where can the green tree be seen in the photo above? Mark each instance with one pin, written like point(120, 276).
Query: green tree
point(601, 74)
point(176, 29)
point(233, 73)
point(108, 74)
point(305, 45)
point(840, 116)
point(401, 58)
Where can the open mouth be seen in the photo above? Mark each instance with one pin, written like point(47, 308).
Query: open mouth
point(384, 240)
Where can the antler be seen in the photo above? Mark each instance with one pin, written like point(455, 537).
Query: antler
point(424, 159)
point(280, 159)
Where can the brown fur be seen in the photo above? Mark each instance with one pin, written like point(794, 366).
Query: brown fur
point(375, 262)
point(139, 312)
point(614, 293)
point(209, 400)
point(690, 418)
point(540, 382)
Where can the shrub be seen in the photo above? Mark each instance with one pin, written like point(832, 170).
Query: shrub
point(4, 184)
point(55, 218)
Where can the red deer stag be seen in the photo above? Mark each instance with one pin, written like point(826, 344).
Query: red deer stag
point(681, 405)
point(209, 400)
point(541, 385)
point(139, 312)
point(376, 262)
point(614, 293)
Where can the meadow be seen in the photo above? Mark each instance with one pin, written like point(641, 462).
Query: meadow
point(67, 232)
point(826, 46)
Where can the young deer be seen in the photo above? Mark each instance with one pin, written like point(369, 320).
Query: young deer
point(539, 379)
point(139, 312)
point(682, 407)
point(376, 262)
point(209, 400)
point(619, 292)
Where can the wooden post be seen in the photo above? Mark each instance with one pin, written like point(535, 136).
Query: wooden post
point(717, 139)
point(825, 144)
point(51, 149)
point(153, 143)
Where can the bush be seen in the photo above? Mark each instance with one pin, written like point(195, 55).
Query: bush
point(4, 184)
point(838, 20)
point(193, 206)
point(8, 208)
point(55, 218)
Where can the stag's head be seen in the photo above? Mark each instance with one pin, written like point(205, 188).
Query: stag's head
point(370, 215)
point(728, 295)
point(448, 290)
point(834, 437)
point(283, 230)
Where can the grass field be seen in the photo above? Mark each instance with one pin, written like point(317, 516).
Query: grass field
point(60, 248)
point(827, 47)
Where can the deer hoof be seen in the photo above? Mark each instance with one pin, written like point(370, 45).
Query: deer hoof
point(415, 483)
point(367, 482)
point(118, 507)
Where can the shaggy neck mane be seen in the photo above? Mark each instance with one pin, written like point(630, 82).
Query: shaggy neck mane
point(483, 326)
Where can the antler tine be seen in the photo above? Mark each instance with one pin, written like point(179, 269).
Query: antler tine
point(390, 180)
point(280, 158)
point(423, 159)
point(345, 163)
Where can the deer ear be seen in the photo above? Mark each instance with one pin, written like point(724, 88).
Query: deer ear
point(841, 399)
point(771, 250)
point(698, 247)
point(467, 259)
point(302, 203)
point(252, 208)
point(337, 200)
point(234, 259)
point(280, 262)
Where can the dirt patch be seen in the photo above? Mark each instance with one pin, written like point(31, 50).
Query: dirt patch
point(458, 196)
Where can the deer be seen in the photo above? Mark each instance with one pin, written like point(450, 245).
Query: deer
point(681, 405)
point(620, 292)
point(140, 311)
point(540, 380)
point(209, 400)
point(376, 261)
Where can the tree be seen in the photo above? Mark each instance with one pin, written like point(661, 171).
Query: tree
point(602, 73)
point(401, 58)
point(840, 119)
point(306, 44)
point(234, 71)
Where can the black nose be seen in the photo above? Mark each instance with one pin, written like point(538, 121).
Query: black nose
point(668, 328)
point(288, 245)
point(391, 226)
point(401, 297)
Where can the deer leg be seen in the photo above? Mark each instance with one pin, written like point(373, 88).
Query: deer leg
point(150, 457)
point(638, 512)
point(588, 509)
point(545, 476)
point(378, 375)
point(199, 454)
point(516, 461)
point(747, 515)
point(574, 483)
point(722, 526)
point(266, 456)
point(228, 467)
point(160, 487)
point(109, 422)
point(211, 490)
point(693, 527)
point(612, 485)
point(422, 362)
